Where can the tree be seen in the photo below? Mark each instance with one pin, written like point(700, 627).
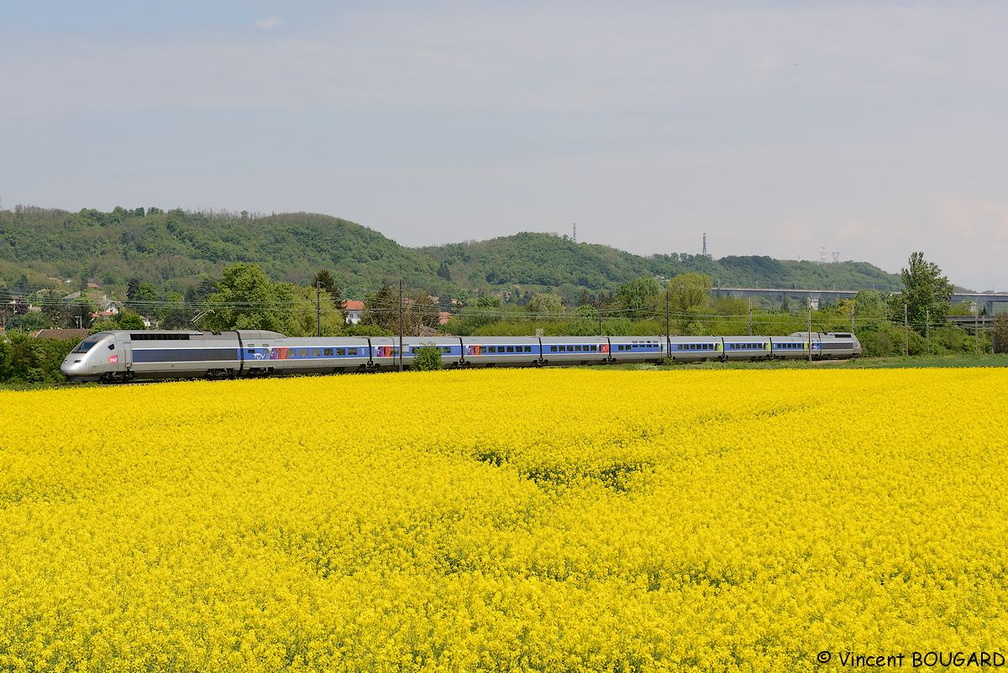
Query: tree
point(325, 280)
point(123, 320)
point(132, 287)
point(24, 359)
point(638, 297)
point(142, 297)
point(999, 333)
point(419, 311)
point(246, 299)
point(175, 315)
point(545, 305)
point(443, 271)
point(870, 308)
point(926, 293)
point(382, 309)
point(427, 358)
point(689, 295)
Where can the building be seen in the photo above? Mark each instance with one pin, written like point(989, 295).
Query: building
point(354, 311)
point(65, 334)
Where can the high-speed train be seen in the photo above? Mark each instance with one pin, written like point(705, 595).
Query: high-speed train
point(158, 354)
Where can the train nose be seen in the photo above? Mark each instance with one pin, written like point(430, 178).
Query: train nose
point(75, 367)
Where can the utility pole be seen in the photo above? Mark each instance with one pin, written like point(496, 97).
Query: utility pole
point(906, 332)
point(852, 317)
point(318, 308)
point(927, 329)
point(400, 323)
point(976, 328)
point(750, 316)
point(666, 314)
point(810, 329)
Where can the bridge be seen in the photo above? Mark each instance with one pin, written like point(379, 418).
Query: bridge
point(989, 303)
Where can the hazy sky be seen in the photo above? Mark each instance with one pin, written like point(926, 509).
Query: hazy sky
point(871, 129)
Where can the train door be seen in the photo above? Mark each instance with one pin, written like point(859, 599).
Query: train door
point(122, 357)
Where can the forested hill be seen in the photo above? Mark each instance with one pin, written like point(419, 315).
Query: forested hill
point(549, 260)
point(176, 249)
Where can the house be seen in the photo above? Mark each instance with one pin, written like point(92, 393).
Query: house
point(65, 334)
point(354, 311)
point(108, 309)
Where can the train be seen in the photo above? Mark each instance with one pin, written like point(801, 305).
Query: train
point(151, 355)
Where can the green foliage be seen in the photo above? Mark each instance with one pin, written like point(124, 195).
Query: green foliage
point(545, 305)
point(689, 292)
point(999, 333)
point(325, 281)
point(123, 320)
point(926, 293)
point(417, 312)
point(487, 310)
point(688, 298)
point(639, 297)
point(173, 250)
point(24, 359)
point(427, 358)
point(246, 299)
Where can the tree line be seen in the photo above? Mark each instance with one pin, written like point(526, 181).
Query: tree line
point(910, 322)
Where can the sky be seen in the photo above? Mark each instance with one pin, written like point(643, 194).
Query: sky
point(796, 130)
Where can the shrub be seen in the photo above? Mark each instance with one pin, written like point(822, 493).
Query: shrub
point(428, 358)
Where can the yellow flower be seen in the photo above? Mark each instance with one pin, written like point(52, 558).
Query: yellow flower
point(504, 520)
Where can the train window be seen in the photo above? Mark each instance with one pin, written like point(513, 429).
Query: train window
point(86, 345)
point(510, 349)
point(316, 352)
point(327, 352)
point(352, 351)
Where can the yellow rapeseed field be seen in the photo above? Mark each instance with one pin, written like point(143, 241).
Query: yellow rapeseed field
point(548, 520)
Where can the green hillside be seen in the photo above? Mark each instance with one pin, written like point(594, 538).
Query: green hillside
point(177, 249)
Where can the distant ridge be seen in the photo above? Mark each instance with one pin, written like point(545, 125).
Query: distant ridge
point(176, 249)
